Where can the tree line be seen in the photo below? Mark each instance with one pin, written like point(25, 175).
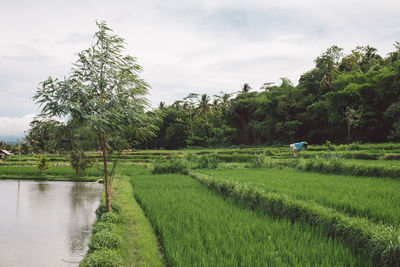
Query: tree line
point(344, 98)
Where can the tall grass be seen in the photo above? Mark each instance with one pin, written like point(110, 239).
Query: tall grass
point(199, 228)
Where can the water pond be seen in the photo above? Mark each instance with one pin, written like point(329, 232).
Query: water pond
point(46, 223)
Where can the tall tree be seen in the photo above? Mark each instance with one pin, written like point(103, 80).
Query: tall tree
point(103, 91)
point(204, 106)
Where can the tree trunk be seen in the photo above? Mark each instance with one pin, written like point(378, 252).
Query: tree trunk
point(104, 148)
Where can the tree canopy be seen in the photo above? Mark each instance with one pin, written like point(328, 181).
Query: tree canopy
point(104, 92)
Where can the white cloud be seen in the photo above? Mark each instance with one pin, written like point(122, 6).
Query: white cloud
point(15, 126)
point(186, 46)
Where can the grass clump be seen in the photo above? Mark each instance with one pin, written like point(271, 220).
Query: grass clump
point(102, 226)
point(173, 165)
point(104, 239)
point(115, 207)
point(109, 217)
point(102, 258)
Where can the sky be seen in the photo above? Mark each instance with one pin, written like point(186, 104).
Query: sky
point(190, 46)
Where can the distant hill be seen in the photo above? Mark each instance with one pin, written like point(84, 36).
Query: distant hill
point(10, 139)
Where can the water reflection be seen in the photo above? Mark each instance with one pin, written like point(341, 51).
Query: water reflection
point(49, 223)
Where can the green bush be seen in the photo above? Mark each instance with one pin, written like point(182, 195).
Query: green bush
point(207, 162)
point(43, 165)
point(104, 239)
point(79, 161)
point(115, 207)
point(173, 165)
point(102, 258)
point(109, 217)
point(102, 226)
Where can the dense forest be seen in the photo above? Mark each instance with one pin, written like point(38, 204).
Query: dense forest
point(344, 98)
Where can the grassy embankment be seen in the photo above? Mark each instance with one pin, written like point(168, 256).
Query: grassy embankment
point(199, 227)
point(139, 246)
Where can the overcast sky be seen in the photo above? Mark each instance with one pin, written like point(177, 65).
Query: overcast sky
point(183, 46)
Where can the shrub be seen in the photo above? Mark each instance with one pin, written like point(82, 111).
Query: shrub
point(104, 239)
point(43, 165)
point(115, 207)
point(79, 161)
point(101, 258)
point(173, 165)
point(102, 226)
point(109, 217)
point(207, 162)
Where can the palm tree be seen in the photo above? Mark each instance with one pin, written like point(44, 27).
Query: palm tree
point(246, 88)
point(204, 106)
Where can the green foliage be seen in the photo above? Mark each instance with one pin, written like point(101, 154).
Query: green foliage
point(173, 165)
point(256, 161)
point(207, 162)
point(104, 239)
point(337, 165)
point(363, 235)
point(115, 207)
point(79, 161)
point(102, 258)
point(102, 226)
point(197, 229)
point(110, 217)
point(391, 157)
point(43, 165)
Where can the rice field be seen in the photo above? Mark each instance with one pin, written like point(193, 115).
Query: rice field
point(200, 228)
point(377, 199)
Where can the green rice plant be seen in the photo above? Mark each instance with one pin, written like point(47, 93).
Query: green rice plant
point(173, 165)
point(269, 152)
point(336, 165)
point(235, 157)
point(207, 162)
point(104, 239)
point(391, 157)
point(375, 199)
point(102, 258)
point(256, 161)
point(380, 242)
point(197, 227)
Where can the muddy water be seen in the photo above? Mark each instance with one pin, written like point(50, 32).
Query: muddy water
point(46, 223)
